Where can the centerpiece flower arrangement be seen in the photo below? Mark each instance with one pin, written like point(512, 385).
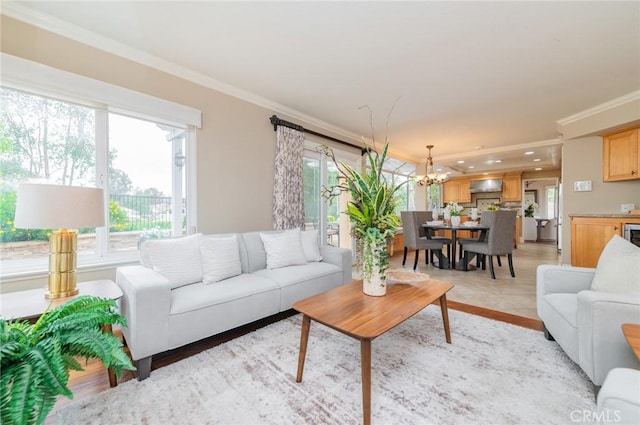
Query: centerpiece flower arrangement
point(530, 209)
point(453, 210)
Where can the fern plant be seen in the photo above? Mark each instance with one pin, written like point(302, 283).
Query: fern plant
point(35, 359)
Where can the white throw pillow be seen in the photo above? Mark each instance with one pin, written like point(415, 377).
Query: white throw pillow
point(283, 249)
point(310, 245)
point(220, 258)
point(177, 259)
point(618, 268)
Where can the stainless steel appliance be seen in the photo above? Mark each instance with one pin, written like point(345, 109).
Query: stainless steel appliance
point(632, 233)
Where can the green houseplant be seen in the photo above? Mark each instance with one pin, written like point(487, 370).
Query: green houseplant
point(35, 359)
point(372, 214)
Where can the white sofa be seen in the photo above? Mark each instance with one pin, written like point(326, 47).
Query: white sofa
point(162, 314)
point(587, 323)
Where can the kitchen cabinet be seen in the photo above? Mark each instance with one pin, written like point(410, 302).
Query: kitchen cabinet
point(589, 235)
point(396, 245)
point(512, 188)
point(456, 190)
point(621, 156)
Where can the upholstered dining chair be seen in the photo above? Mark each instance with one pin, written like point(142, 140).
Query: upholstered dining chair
point(499, 240)
point(415, 237)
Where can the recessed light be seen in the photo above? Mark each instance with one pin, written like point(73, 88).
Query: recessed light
point(461, 162)
point(497, 161)
point(537, 160)
point(485, 174)
point(472, 166)
point(538, 168)
point(449, 172)
point(438, 169)
point(529, 153)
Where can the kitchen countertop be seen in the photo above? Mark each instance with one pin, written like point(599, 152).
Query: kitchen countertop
point(618, 215)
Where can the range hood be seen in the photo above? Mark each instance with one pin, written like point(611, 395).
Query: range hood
point(489, 185)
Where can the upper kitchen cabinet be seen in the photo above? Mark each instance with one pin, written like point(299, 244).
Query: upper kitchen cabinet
point(512, 188)
point(456, 190)
point(621, 155)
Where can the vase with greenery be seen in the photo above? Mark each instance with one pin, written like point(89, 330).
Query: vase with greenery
point(36, 358)
point(371, 211)
point(530, 209)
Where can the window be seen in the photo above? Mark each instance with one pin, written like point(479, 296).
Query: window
point(328, 217)
point(144, 161)
point(397, 172)
point(552, 199)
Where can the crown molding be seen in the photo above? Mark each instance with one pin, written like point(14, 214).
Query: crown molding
point(81, 35)
point(622, 100)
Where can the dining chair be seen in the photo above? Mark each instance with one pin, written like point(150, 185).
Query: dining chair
point(499, 240)
point(484, 219)
point(416, 237)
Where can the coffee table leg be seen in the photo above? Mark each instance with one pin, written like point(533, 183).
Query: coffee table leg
point(304, 338)
point(365, 349)
point(445, 317)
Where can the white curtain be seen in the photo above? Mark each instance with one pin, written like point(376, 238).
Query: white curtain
point(288, 187)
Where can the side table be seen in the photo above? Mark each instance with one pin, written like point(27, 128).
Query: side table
point(30, 304)
point(631, 332)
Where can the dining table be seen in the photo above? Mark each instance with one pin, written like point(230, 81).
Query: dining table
point(431, 227)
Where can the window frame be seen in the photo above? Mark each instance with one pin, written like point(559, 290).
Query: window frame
point(41, 80)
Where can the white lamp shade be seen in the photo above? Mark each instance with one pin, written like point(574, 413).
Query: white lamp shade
point(47, 206)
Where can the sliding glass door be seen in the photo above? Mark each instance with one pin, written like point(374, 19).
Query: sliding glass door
point(327, 217)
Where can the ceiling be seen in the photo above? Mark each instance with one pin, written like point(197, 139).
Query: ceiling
point(482, 81)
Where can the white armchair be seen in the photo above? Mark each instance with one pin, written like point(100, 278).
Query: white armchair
point(586, 323)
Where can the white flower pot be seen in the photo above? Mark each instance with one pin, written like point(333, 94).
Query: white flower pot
point(455, 220)
point(374, 266)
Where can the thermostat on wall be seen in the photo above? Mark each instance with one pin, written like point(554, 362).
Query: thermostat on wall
point(582, 186)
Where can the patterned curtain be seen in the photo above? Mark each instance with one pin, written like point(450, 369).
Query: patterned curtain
point(288, 187)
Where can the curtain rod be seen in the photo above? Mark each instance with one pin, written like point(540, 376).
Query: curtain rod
point(275, 121)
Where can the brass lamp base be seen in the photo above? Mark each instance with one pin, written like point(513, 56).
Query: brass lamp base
point(62, 264)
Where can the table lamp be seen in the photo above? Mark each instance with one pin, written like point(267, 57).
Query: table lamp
point(46, 206)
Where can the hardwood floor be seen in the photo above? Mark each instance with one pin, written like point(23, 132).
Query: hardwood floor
point(506, 299)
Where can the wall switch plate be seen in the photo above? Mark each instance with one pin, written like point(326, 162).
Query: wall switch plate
point(582, 186)
point(626, 208)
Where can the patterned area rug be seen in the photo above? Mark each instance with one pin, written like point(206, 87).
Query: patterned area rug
point(492, 373)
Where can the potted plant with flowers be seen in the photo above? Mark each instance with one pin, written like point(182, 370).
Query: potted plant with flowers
point(372, 214)
point(454, 211)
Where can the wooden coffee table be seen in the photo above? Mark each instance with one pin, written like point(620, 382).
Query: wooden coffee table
point(348, 310)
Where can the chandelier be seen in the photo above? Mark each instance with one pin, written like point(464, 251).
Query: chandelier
point(431, 177)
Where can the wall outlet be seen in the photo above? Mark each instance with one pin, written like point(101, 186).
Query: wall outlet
point(626, 208)
point(582, 186)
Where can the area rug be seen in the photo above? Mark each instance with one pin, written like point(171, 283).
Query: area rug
point(492, 373)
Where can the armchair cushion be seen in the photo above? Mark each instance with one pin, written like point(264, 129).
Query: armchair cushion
point(618, 268)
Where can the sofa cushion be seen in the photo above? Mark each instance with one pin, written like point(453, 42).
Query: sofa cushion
point(311, 245)
point(200, 295)
point(618, 268)
point(283, 248)
point(220, 258)
point(177, 259)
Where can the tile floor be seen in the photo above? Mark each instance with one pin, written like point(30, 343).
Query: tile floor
point(511, 295)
